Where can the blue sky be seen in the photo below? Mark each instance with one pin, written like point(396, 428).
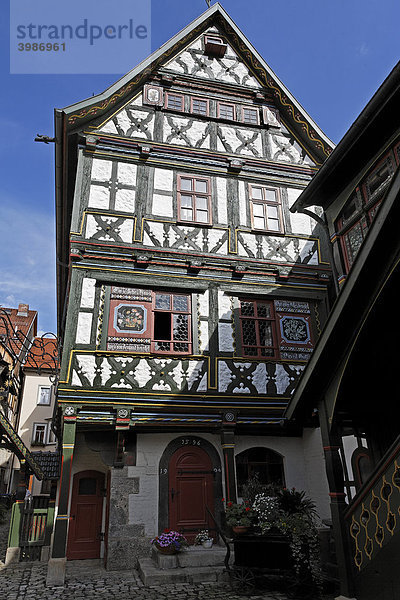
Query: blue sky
point(331, 55)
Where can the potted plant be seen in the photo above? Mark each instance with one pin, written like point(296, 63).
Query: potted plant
point(169, 542)
point(203, 539)
point(239, 516)
point(292, 515)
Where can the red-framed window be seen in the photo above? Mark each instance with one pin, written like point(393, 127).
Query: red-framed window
point(265, 208)
point(199, 106)
point(257, 326)
point(171, 323)
point(194, 199)
point(360, 210)
point(226, 110)
point(276, 329)
point(250, 115)
point(174, 101)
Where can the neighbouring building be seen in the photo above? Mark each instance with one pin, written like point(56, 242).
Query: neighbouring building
point(351, 377)
point(18, 326)
point(36, 412)
point(194, 296)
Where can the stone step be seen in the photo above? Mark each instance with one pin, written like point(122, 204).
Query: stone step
point(150, 574)
point(194, 556)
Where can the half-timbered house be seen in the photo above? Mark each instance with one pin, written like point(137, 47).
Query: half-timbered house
point(193, 296)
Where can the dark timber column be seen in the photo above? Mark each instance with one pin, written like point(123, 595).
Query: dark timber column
point(334, 472)
point(56, 567)
point(228, 447)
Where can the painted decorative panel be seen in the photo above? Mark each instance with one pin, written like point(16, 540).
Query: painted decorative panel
point(109, 229)
point(229, 69)
point(186, 131)
point(138, 373)
point(238, 140)
point(169, 235)
point(131, 121)
point(129, 323)
point(283, 249)
point(113, 185)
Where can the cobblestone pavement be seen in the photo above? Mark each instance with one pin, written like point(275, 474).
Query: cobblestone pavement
point(26, 581)
point(86, 580)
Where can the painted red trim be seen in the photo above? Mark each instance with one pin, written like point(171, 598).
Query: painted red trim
point(331, 448)
point(337, 494)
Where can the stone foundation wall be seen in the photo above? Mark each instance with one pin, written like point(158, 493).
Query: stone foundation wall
point(126, 542)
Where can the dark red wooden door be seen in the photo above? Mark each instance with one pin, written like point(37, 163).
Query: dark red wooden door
point(84, 537)
point(191, 485)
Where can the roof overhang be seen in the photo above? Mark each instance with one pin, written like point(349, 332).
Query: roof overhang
point(377, 259)
point(371, 131)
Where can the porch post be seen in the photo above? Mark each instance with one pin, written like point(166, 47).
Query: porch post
point(334, 472)
point(14, 550)
point(228, 448)
point(57, 562)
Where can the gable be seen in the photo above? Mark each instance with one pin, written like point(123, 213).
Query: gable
point(183, 57)
point(229, 69)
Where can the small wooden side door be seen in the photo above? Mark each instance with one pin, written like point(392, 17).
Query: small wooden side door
point(191, 489)
point(84, 535)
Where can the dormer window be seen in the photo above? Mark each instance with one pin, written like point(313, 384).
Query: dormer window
point(214, 46)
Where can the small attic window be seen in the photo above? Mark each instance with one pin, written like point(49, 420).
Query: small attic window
point(214, 46)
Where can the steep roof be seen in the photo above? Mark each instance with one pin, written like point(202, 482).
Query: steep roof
point(80, 113)
point(18, 326)
point(42, 354)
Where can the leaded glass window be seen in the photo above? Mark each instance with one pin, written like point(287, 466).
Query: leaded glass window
point(172, 323)
point(258, 328)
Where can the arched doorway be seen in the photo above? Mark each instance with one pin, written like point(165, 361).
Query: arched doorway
point(84, 534)
point(190, 480)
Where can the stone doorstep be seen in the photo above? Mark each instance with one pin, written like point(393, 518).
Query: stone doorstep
point(150, 574)
point(192, 557)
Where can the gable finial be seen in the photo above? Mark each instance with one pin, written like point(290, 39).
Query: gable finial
point(208, 3)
